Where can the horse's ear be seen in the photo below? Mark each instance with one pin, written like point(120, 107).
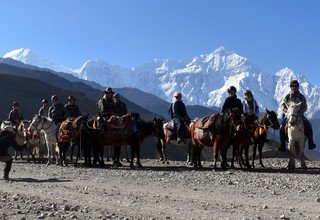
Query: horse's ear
point(267, 111)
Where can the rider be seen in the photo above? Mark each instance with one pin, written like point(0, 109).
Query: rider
point(106, 106)
point(249, 103)
point(56, 111)
point(232, 102)
point(71, 109)
point(120, 110)
point(295, 96)
point(15, 116)
point(44, 110)
point(120, 107)
point(180, 116)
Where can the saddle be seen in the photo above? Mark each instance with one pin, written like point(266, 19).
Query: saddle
point(206, 122)
point(260, 131)
point(66, 132)
point(119, 122)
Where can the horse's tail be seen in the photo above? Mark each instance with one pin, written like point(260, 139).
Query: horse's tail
point(191, 130)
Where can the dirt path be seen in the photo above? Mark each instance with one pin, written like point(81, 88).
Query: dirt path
point(160, 192)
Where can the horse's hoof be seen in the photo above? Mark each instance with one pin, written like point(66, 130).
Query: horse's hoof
point(139, 165)
point(304, 167)
point(232, 166)
point(167, 162)
point(48, 164)
point(249, 167)
point(262, 166)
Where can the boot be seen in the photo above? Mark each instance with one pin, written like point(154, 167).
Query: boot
point(6, 175)
point(311, 144)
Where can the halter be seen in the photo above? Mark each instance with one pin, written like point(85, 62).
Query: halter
point(42, 126)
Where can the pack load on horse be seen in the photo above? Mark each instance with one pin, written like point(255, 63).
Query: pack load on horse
point(295, 97)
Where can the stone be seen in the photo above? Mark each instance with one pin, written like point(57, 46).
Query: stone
point(265, 207)
point(318, 199)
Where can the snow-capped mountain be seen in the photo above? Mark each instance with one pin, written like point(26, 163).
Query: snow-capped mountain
point(203, 80)
point(29, 57)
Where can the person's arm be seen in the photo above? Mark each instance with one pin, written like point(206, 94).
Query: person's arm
point(66, 111)
point(125, 108)
point(176, 110)
point(256, 107)
point(78, 110)
point(40, 112)
point(304, 105)
point(284, 105)
point(224, 106)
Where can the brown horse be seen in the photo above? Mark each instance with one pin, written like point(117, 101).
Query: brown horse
point(265, 121)
point(243, 136)
point(217, 132)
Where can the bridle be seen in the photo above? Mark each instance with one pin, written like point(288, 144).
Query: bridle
point(36, 125)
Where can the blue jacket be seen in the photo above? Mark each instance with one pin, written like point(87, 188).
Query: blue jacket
point(57, 113)
point(250, 106)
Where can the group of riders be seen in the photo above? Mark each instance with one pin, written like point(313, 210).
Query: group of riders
point(110, 104)
point(248, 105)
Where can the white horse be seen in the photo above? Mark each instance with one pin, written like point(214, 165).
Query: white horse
point(296, 135)
point(49, 129)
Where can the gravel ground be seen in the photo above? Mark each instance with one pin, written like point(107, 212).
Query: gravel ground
point(157, 191)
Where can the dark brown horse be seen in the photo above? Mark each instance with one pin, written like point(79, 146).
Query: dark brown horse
point(243, 136)
point(217, 132)
point(265, 121)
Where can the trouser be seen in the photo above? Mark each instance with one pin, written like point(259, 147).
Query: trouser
point(8, 160)
point(181, 127)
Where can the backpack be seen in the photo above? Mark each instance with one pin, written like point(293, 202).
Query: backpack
point(170, 110)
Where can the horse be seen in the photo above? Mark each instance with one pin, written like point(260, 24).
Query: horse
point(170, 134)
point(296, 135)
point(265, 121)
point(243, 136)
point(215, 130)
point(49, 129)
point(130, 130)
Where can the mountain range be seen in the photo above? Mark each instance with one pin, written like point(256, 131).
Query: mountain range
point(203, 80)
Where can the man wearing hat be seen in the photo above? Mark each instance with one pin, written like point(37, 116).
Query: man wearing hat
point(105, 105)
point(15, 116)
point(180, 116)
point(71, 109)
point(56, 110)
point(44, 110)
point(295, 96)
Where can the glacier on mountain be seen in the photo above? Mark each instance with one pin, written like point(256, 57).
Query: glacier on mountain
point(203, 80)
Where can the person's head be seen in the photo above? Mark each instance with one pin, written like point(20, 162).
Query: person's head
point(55, 100)
point(71, 99)
point(232, 91)
point(15, 105)
point(178, 96)
point(248, 94)
point(44, 102)
point(116, 97)
point(294, 85)
point(108, 93)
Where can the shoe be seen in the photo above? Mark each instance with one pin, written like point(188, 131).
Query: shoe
point(312, 146)
point(6, 176)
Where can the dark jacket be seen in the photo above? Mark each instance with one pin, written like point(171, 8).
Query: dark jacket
point(44, 112)
point(106, 107)
point(232, 103)
point(15, 117)
point(72, 111)
point(120, 108)
point(295, 98)
point(179, 110)
point(57, 113)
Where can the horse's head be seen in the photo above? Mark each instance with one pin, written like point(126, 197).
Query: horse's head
point(249, 123)
point(235, 118)
point(36, 123)
point(294, 113)
point(272, 119)
point(158, 127)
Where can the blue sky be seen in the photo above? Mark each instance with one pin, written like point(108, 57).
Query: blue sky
point(272, 33)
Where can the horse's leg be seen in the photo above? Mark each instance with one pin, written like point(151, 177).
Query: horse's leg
point(301, 153)
point(138, 154)
point(72, 150)
point(101, 156)
point(291, 148)
point(246, 152)
point(199, 156)
point(190, 154)
point(234, 154)
point(132, 156)
point(49, 149)
point(215, 154)
point(260, 154)
point(195, 154)
point(15, 155)
point(164, 150)
point(254, 152)
point(224, 149)
point(159, 150)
